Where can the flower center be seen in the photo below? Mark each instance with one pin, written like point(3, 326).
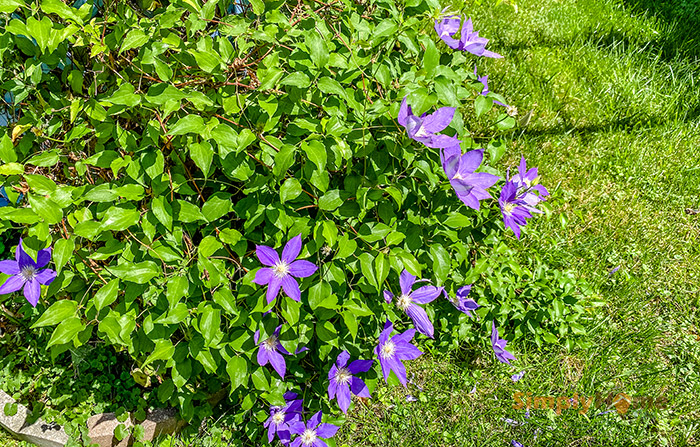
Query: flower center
point(458, 176)
point(404, 301)
point(271, 343)
point(388, 349)
point(281, 270)
point(28, 273)
point(343, 376)
point(278, 417)
point(308, 437)
point(508, 208)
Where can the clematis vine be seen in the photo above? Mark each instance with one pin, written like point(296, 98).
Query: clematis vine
point(342, 380)
point(469, 186)
point(499, 347)
point(409, 301)
point(469, 39)
point(312, 432)
point(27, 274)
point(485, 82)
point(282, 271)
point(461, 302)
point(271, 351)
point(391, 351)
point(425, 127)
point(514, 208)
point(282, 416)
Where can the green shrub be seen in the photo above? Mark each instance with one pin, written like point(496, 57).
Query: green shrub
point(159, 143)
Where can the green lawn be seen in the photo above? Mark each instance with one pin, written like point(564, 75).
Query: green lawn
point(615, 130)
point(616, 134)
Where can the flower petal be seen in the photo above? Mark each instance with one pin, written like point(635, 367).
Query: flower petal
point(302, 268)
point(12, 284)
point(420, 320)
point(450, 157)
point(404, 112)
point(23, 259)
point(263, 356)
point(406, 351)
point(406, 280)
point(32, 292)
point(43, 258)
point(359, 366)
point(314, 420)
point(406, 337)
point(343, 395)
point(278, 363)
point(470, 161)
point(267, 255)
point(359, 388)
point(273, 289)
point(440, 141)
point(388, 296)
point(438, 120)
point(327, 430)
point(386, 332)
point(425, 294)
point(291, 288)
point(398, 369)
point(46, 276)
point(342, 359)
point(9, 267)
point(292, 249)
point(263, 276)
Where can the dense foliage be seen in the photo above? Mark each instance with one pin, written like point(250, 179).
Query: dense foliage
point(161, 146)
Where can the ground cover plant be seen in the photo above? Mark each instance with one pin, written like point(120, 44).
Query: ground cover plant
point(273, 198)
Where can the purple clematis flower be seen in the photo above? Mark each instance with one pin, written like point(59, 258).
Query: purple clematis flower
point(461, 302)
point(408, 302)
point(469, 39)
point(342, 380)
point(27, 273)
point(281, 271)
point(485, 82)
point(423, 128)
point(526, 181)
point(499, 347)
point(469, 186)
point(391, 352)
point(271, 350)
point(514, 208)
point(310, 434)
point(282, 417)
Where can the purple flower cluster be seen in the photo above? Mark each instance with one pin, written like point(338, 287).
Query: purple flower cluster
point(424, 128)
point(469, 186)
point(519, 198)
point(27, 274)
point(469, 39)
point(281, 272)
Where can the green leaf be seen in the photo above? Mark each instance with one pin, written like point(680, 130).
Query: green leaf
point(381, 268)
point(367, 267)
point(45, 208)
point(482, 104)
point(125, 96)
point(163, 211)
point(188, 124)
point(209, 324)
point(135, 38)
point(57, 312)
point(224, 298)
point(237, 369)
point(317, 48)
point(351, 322)
point(138, 272)
point(441, 263)
point(330, 200)
point(66, 331)
point(290, 189)
point(11, 169)
point(284, 159)
point(7, 149)
point(119, 219)
point(62, 251)
point(202, 154)
point(106, 295)
point(40, 184)
point(316, 152)
point(331, 87)
point(163, 350)
point(188, 212)
point(431, 58)
point(10, 5)
point(297, 79)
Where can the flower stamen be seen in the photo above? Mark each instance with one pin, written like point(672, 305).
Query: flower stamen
point(388, 350)
point(308, 437)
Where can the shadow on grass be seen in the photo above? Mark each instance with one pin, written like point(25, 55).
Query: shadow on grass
point(682, 37)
